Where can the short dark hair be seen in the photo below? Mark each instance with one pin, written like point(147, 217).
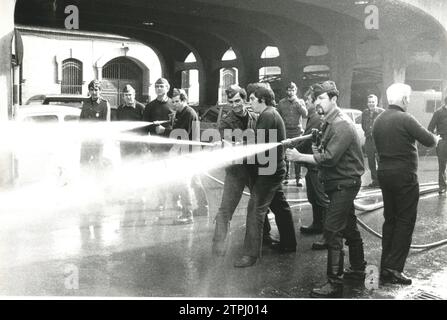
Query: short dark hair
point(94, 84)
point(233, 90)
point(265, 94)
point(180, 92)
point(251, 87)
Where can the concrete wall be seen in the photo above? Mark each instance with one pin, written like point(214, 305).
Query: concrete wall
point(44, 51)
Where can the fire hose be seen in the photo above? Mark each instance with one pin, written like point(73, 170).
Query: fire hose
point(365, 208)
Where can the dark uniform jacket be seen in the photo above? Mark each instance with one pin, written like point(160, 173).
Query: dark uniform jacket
point(131, 113)
point(233, 121)
point(341, 156)
point(98, 110)
point(395, 134)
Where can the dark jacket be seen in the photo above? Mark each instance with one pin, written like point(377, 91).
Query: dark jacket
point(269, 119)
point(188, 120)
point(93, 110)
point(341, 157)
point(395, 134)
point(233, 121)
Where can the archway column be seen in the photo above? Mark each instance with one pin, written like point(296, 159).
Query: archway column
point(252, 64)
point(6, 86)
point(342, 56)
point(291, 64)
point(210, 87)
point(394, 63)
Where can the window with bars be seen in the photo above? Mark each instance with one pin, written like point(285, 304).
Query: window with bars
point(71, 76)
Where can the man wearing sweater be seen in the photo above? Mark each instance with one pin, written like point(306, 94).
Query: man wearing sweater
point(369, 115)
point(395, 134)
point(267, 190)
point(292, 110)
point(160, 109)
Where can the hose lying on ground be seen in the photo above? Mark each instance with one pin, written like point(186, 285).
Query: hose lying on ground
point(425, 189)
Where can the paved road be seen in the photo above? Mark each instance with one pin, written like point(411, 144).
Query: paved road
point(44, 248)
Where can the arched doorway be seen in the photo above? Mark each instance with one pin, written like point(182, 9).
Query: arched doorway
point(116, 74)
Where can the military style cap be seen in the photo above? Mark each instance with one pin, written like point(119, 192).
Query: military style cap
point(162, 81)
point(251, 87)
point(177, 92)
point(94, 84)
point(326, 86)
point(291, 85)
point(128, 88)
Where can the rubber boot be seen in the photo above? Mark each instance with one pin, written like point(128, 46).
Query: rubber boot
point(357, 262)
point(219, 247)
point(334, 287)
point(321, 244)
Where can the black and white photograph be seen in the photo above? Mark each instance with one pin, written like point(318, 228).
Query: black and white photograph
point(223, 150)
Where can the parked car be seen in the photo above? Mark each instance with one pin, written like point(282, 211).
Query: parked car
point(47, 113)
point(356, 117)
point(73, 100)
point(46, 158)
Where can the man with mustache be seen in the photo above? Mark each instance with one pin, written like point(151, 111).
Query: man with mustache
point(340, 161)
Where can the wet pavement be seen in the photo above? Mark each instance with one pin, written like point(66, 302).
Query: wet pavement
point(73, 253)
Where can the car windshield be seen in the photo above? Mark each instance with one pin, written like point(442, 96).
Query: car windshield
point(41, 118)
point(76, 104)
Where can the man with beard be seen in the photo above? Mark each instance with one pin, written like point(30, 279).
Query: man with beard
point(340, 161)
point(314, 188)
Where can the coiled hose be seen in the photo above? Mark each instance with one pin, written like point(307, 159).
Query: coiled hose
point(425, 189)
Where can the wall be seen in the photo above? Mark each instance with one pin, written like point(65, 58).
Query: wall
point(44, 47)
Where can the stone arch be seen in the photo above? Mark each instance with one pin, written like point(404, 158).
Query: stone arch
point(141, 60)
